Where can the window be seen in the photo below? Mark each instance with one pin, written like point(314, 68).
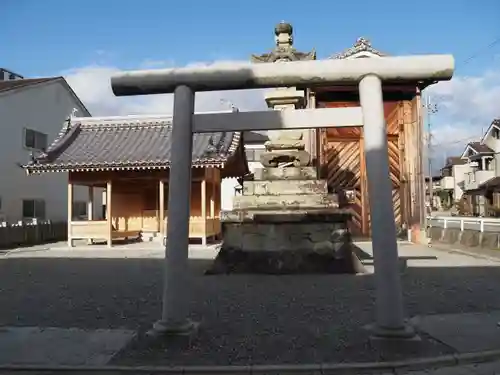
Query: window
point(35, 140)
point(79, 210)
point(495, 133)
point(33, 209)
point(253, 154)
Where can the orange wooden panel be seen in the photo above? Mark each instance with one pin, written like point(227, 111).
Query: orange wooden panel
point(353, 132)
point(394, 167)
point(342, 165)
point(391, 111)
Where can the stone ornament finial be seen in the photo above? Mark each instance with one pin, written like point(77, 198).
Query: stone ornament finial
point(284, 50)
point(283, 32)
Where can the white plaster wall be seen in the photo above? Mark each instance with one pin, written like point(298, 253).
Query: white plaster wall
point(227, 193)
point(228, 184)
point(459, 172)
point(494, 144)
point(43, 108)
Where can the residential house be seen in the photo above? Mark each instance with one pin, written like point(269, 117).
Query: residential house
point(32, 112)
point(452, 177)
point(7, 75)
point(436, 188)
point(484, 168)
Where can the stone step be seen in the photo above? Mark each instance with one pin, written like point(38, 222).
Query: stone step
point(287, 173)
point(280, 187)
point(285, 201)
point(147, 236)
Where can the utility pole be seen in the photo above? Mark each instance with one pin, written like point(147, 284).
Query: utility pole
point(431, 109)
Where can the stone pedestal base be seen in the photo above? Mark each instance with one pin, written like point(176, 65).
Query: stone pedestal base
point(286, 243)
point(188, 329)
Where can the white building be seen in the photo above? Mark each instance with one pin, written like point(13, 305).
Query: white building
point(254, 146)
point(31, 114)
point(7, 75)
point(454, 174)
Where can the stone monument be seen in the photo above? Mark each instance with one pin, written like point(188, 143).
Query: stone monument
point(285, 221)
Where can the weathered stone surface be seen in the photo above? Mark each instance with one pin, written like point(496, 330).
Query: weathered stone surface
point(290, 173)
point(285, 144)
point(436, 233)
point(235, 261)
point(490, 240)
point(470, 238)
point(287, 243)
point(286, 216)
point(287, 247)
point(284, 202)
point(451, 235)
point(279, 187)
point(299, 158)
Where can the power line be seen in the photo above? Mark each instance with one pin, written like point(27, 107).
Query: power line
point(455, 141)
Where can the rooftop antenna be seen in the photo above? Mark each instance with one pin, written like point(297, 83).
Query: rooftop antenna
point(224, 101)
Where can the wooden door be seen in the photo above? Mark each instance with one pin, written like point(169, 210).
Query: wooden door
point(341, 168)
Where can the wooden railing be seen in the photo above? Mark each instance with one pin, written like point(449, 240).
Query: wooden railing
point(199, 227)
point(93, 229)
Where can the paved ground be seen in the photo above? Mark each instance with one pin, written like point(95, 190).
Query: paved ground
point(492, 368)
point(245, 318)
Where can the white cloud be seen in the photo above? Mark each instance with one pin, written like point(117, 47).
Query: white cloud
point(466, 107)
point(92, 85)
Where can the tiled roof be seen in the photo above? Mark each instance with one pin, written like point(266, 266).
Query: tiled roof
point(18, 83)
point(493, 182)
point(128, 142)
point(454, 160)
point(480, 147)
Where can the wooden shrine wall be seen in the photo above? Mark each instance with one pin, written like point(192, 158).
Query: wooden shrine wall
point(343, 164)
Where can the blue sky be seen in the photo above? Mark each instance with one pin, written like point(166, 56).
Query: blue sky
point(49, 36)
point(90, 40)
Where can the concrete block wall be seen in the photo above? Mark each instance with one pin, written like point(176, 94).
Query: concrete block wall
point(465, 238)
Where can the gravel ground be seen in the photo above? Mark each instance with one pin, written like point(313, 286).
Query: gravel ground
point(245, 318)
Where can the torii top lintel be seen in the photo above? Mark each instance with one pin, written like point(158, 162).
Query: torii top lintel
point(307, 74)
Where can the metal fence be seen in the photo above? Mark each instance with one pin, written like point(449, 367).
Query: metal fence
point(480, 224)
point(29, 234)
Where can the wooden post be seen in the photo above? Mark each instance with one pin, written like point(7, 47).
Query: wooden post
point(213, 191)
point(70, 212)
point(90, 204)
point(215, 202)
point(204, 208)
point(109, 219)
point(161, 207)
point(90, 208)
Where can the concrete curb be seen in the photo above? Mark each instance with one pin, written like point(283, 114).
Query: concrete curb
point(325, 368)
point(471, 254)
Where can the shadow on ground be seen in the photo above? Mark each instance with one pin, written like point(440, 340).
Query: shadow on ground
point(245, 318)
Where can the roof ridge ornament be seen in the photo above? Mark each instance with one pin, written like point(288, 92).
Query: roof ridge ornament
point(362, 45)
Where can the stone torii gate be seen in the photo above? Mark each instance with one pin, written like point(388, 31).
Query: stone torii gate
point(368, 74)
